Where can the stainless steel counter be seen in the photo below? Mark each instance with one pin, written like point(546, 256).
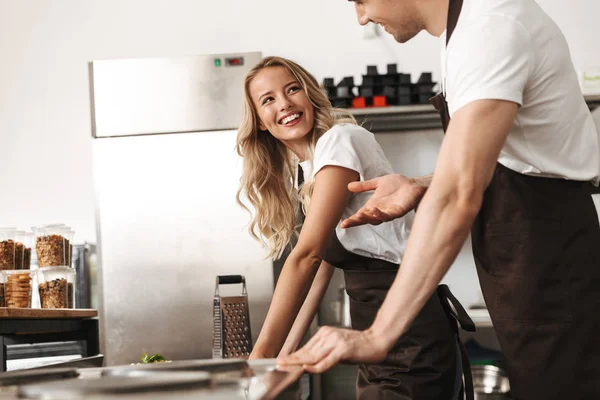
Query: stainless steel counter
point(254, 381)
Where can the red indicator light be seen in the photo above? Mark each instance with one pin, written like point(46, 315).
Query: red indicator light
point(234, 61)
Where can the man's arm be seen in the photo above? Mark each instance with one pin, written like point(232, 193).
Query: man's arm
point(465, 166)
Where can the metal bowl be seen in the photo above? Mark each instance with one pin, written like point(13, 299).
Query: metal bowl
point(489, 379)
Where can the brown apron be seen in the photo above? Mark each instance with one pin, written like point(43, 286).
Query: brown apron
point(535, 244)
point(422, 365)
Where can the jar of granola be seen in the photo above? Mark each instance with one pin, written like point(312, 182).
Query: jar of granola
point(53, 287)
point(71, 288)
point(52, 243)
point(23, 241)
point(7, 248)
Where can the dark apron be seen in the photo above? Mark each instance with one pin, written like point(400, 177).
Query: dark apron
point(535, 244)
point(422, 365)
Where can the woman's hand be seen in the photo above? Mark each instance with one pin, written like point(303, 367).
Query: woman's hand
point(395, 195)
point(333, 345)
point(257, 355)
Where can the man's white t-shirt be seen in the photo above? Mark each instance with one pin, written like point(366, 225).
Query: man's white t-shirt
point(512, 50)
point(353, 147)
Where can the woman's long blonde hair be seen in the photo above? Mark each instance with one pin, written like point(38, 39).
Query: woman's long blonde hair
point(269, 167)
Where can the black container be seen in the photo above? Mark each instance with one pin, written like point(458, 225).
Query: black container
point(419, 88)
point(329, 86)
point(404, 90)
point(423, 98)
point(389, 80)
point(372, 70)
point(342, 102)
point(344, 92)
point(404, 100)
point(347, 81)
point(425, 78)
point(366, 91)
point(404, 79)
point(368, 81)
point(391, 94)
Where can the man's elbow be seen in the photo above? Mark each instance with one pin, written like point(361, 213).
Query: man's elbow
point(467, 198)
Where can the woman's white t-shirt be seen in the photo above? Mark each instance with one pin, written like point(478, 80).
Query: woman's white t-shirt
point(353, 147)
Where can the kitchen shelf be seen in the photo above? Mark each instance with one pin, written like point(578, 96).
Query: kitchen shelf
point(398, 118)
point(414, 117)
point(46, 313)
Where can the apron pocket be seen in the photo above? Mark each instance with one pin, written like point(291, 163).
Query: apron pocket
point(524, 263)
point(363, 314)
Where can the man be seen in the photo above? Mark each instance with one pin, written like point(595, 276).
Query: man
point(518, 167)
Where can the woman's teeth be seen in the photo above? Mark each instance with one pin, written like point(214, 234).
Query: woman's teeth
point(289, 119)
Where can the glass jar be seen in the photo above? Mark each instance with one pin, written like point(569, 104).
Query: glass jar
point(23, 241)
point(2, 301)
point(53, 287)
point(17, 288)
point(71, 288)
point(52, 244)
point(7, 248)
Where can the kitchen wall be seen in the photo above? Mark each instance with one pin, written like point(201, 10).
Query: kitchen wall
point(45, 145)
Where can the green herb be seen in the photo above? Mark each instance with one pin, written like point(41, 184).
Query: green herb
point(146, 359)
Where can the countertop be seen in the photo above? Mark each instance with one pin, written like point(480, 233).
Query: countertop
point(265, 384)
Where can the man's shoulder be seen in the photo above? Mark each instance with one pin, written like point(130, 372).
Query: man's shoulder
point(522, 15)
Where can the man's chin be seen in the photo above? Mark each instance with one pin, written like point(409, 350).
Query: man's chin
point(403, 37)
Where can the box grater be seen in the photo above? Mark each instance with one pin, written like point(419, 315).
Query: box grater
point(231, 318)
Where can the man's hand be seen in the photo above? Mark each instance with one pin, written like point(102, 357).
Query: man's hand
point(395, 195)
point(332, 345)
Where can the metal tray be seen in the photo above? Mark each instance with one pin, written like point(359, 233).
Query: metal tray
point(211, 366)
point(171, 381)
point(36, 375)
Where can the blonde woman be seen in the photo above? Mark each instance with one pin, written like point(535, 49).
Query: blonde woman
point(288, 120)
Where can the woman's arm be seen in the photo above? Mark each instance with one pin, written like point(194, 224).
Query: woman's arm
point(329, 199)
point(309, 309)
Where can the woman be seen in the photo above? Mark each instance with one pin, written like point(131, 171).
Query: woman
point(287, 120)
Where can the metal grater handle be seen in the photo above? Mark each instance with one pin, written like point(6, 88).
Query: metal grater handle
point(228, 280)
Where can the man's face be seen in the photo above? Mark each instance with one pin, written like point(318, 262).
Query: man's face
point(399, 18)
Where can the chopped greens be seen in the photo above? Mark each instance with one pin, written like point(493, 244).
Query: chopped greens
point(146, 359)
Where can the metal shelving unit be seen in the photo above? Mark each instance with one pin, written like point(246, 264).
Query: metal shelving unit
point(414, 117)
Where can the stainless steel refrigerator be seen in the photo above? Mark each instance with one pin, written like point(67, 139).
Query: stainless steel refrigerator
point(165, 177)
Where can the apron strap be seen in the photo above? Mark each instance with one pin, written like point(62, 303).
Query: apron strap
point(459, 318)
point(467, 388)
point(457, 310)
point(454, 9)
